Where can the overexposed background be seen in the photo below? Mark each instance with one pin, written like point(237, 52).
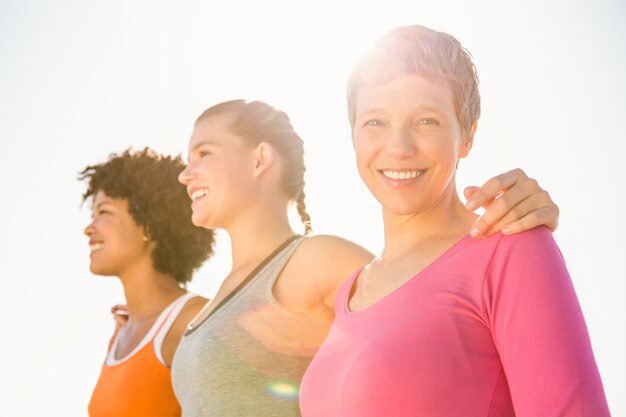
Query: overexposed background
point(81, 79)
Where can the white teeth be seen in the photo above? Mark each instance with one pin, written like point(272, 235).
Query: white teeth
point(199, 193)
point(402, 175)
point(96, 246)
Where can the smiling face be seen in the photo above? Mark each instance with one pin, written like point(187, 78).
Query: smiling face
point(219, 176)
point(408, 141)
point(115, 240)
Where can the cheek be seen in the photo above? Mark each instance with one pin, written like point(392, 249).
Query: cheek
point(442, 149)
point(103, 227)
point(134, 240)
point(203, 168)
point(364, 148)
point(131, 235)
point(364, 155)
point(361, 158)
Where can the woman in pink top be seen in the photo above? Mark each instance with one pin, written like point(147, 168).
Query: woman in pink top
point(441, 324)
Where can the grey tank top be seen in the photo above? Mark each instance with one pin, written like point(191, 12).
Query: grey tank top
point(248, 357)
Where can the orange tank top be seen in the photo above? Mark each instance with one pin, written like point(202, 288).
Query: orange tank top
point(139, 385)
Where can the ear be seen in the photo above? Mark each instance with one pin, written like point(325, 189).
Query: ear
point(467, 144)
point(264, 158)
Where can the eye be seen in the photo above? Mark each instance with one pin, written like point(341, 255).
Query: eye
point(427, 121)
point(203, 153)
point(373, 123)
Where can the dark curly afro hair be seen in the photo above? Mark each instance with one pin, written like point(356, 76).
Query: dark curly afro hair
point(158, 203)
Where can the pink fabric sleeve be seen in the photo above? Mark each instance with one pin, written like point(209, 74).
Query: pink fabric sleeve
point(539, 330)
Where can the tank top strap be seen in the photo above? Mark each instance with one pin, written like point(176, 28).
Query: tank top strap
point(148, 338)
point(281, 259)
point(172, 314)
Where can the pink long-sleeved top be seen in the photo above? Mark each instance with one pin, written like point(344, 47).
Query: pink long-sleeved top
point(491, 328)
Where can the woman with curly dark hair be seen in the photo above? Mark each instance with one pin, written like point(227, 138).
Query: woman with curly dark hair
point(141, 232)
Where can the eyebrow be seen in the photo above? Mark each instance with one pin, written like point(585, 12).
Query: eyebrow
point(202, 143)
point(100, 204)
point(198, 145)
point(421, 108)
point(372, 110)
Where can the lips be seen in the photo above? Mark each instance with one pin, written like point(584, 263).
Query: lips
point(199, 193)
point(95, 246)
point(196, 193)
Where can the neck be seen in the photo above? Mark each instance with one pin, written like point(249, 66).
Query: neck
point(447, 219)
point(147, 290)
point(255, 235)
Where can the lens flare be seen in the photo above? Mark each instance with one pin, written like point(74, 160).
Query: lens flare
point(285, 390)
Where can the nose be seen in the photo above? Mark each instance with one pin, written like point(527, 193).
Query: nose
point(186, 175)
point(400, 143)
point(89, 230)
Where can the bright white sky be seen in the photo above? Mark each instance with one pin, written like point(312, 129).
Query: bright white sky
point(79, 80)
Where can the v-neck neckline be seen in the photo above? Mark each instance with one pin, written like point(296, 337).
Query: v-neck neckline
point(382, 300)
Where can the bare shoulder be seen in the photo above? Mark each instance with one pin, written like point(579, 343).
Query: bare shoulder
point(332, 251)
point(329, 245)
point(323, 262)
point(192, 307)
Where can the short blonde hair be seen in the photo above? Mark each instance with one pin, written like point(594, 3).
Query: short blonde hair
point(421, 51)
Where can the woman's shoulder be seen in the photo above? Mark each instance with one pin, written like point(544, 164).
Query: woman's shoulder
point(332, 251)
point(521, 251)
point(532, 254)
point(331, 241)
point(323, 262)
point(192, 307)
point(539, 237)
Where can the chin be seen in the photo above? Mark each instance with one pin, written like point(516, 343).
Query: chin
point(196, 222)
point(202, 221)
point(401, 208)
point(198, 219)
point(94, 269)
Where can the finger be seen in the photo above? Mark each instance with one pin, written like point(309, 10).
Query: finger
point(536, 218)
point(497, 185)
point(119, 308)
point(536, 210)
point(520, 211)
point(509, 203)
point(468, 192)
point(120, 315)
point(120, 320)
